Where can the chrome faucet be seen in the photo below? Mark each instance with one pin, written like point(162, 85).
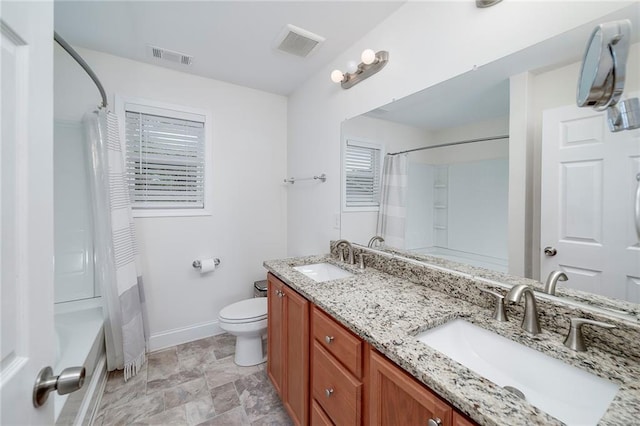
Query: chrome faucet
point(575, 338)
point(375, 239)
point(530, 321)
point(340, 243)
point(552, 281)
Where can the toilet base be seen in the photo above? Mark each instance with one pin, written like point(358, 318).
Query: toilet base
point(249, 351)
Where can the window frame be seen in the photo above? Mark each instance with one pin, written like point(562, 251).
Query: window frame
point(365, 144)
point(178, 112)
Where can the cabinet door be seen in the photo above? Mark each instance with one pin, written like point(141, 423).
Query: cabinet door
point(460, 420)
point(318, 416)
point(275, 328)
point(398, 399)
point(296, 376)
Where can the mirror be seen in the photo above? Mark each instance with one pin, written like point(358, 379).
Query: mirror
point(481, 190)
point(603, 73)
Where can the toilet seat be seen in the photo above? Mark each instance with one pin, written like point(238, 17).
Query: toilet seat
point(245, 311)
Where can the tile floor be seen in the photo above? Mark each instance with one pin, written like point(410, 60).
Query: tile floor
point(193, 384)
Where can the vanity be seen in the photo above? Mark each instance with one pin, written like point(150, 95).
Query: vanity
point(346, 349)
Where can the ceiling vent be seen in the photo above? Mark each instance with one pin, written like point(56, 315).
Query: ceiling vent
point(169, 55)
point(296, 41)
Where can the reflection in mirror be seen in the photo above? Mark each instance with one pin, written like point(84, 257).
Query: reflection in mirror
point(456, 202)
point(461, 201)
point(603, 73)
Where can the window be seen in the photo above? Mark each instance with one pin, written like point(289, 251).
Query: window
point(165, 159)
point(362, 175)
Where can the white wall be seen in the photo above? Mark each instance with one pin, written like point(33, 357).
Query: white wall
point(248, 224)
point(426, 47)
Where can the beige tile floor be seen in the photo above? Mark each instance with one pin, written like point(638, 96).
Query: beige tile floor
point(193, 384)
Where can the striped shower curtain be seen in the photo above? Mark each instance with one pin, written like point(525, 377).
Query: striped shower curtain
point(392, 216)
point(115, 246)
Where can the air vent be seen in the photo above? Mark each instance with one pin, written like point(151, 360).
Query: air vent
point(170, 55)
point(296, 41)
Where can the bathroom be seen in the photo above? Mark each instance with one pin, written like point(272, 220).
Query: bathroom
point(288, 130)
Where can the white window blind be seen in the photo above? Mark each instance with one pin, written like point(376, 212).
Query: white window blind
point(165, 159)
point(362, 175)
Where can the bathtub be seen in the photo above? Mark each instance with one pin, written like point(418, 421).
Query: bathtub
point(487, 262)
point(80, 341)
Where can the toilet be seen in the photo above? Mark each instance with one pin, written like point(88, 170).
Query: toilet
point(247, 320)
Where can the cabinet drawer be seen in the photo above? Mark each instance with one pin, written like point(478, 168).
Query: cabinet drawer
point(318, 416)
point(335, 389)
point(340, 342)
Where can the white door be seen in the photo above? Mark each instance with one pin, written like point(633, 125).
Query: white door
point(588, 193)
point(26, 208)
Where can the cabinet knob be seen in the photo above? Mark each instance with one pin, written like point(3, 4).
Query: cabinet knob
point(328, 339)
point(328, 392)
point(434, 422)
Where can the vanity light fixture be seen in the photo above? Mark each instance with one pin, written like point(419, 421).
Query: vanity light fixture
point(486, 3)
point(372, 62)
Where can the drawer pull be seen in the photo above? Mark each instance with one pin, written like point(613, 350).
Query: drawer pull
point(328, 339)
point(328, 392)
point(434, 422)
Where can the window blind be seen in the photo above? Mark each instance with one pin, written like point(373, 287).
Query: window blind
point(362, 176)
point(164, 161)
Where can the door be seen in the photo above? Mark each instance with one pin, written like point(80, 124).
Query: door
point(296, 355)
point(588, 193)
point(275, 327)
point(26, 207)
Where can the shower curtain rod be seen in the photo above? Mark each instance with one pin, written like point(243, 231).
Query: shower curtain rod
point(451, 144)
point(83, 64)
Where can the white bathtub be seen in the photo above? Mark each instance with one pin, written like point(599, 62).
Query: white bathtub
point(80, 341)
point(487, 262)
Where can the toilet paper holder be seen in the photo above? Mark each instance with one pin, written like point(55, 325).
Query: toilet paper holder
point(196, 263)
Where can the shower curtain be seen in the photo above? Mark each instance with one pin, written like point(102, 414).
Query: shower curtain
point(392, 215)
point(115, 247)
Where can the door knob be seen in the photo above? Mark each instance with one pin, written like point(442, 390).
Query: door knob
point(70, 380)
point(550, 251)
point(434, 422)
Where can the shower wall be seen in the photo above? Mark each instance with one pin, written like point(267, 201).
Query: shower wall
point(72, 215)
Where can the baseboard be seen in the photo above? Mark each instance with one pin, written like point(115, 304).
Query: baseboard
point(178, 336)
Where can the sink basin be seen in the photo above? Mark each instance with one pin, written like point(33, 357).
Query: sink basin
point(321, 272)
point(570, 394)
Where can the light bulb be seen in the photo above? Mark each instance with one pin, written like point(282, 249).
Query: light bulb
point(337, 76)
point(368, 56)
point(352, 67)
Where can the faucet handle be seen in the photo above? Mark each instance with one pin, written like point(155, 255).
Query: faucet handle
point(499, 313)
point(341, 253)
point(361, 260)
point(575, 338)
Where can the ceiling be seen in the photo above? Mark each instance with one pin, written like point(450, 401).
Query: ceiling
point(231, 41)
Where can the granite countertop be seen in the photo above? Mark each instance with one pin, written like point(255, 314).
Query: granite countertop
point(388, 312)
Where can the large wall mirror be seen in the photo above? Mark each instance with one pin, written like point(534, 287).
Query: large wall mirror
point(475, 195)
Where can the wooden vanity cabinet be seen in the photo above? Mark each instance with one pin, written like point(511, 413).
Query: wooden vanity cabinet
point(396, 398)
point(288, 348)
point(337, 372)
point(326, 375)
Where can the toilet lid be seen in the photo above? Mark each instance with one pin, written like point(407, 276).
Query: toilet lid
point(245, 310)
